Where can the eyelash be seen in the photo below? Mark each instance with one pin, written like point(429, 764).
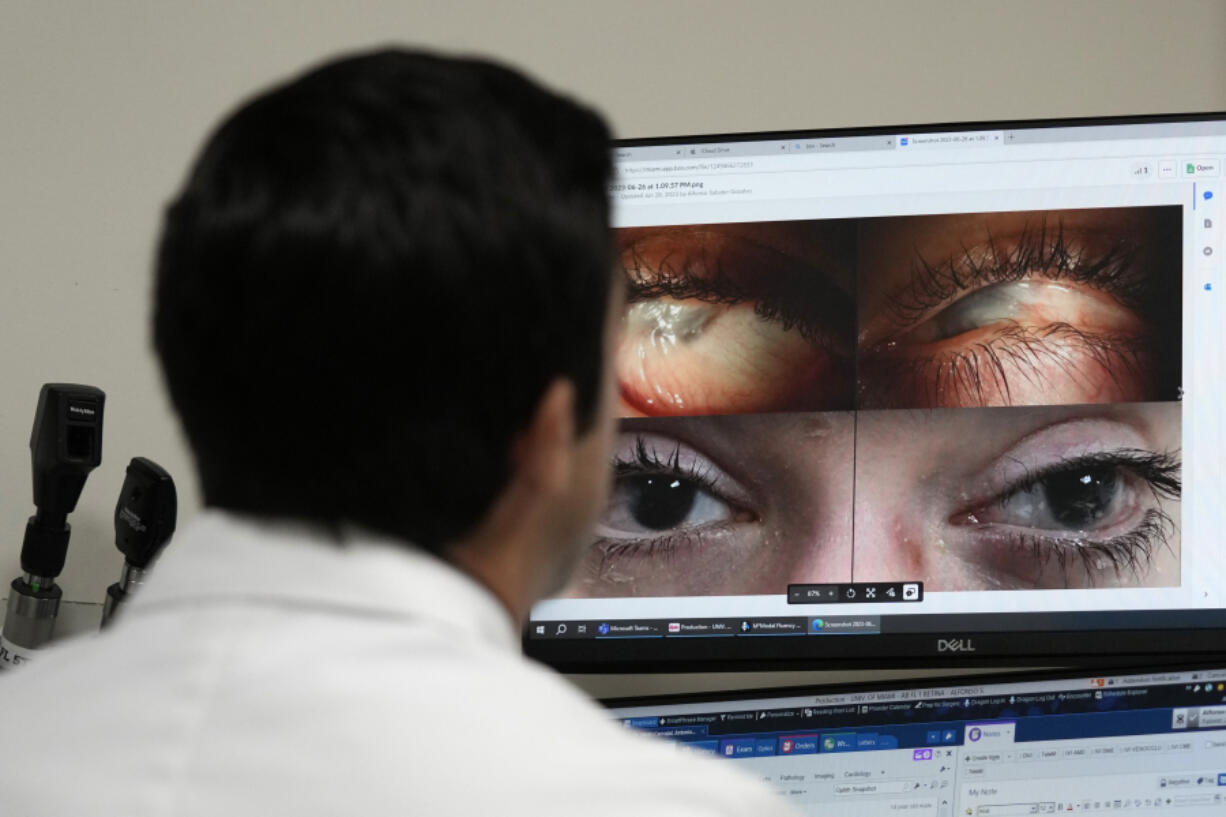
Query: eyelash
point(1023, 346)
point(1131, 552)
point(1042, 250)
point(647, 462)
point(819, 311)
point(1159, 470)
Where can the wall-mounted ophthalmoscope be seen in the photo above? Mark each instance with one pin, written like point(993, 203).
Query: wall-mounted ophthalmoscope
point(144, 521)
point(65, 446)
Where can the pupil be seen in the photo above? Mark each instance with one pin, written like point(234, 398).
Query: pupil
point(1080, 497)
point(660, 502)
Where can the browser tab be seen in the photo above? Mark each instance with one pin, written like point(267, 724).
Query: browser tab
point(849, 143)
point(648, 153)
point(955, 139)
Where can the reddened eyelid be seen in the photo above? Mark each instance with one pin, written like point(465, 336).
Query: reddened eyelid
point(671, 249)
point(1035, 303)
point(1037, 250)
point(781, 286)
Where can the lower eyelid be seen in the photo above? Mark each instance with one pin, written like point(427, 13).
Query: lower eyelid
point(979, 373)
point(666, 543)
point(1003, 532)
point(614, 550)
point(640, 566)
point(1034, 559)
point(1129, 555)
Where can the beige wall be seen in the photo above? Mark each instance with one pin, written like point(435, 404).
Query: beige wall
point(102, 104)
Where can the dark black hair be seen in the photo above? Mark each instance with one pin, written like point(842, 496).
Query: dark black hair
point(369, 279)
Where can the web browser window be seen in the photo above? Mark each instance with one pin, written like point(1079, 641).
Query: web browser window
point(914, 382)
point(1144, 744)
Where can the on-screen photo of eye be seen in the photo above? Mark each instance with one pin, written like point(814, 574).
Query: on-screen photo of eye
point(724, 505)
point(1054, 307)
point(737, 318)
point(1047, 497)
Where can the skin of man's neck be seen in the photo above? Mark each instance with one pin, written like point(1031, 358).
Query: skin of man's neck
point(518, 550)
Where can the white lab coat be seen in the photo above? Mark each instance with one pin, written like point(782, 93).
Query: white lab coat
point(266, 671)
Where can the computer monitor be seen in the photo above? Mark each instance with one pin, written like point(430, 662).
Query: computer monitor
point(901, 393)
point(1152, 742)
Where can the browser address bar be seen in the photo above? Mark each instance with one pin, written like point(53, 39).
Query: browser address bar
point(630, 171)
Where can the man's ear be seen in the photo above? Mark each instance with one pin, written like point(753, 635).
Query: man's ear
point(542, 454)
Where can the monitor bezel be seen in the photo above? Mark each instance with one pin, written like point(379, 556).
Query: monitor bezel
point(1017, 676)
point(1071, 648)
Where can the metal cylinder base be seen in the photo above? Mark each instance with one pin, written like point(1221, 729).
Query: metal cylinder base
point(30, 621)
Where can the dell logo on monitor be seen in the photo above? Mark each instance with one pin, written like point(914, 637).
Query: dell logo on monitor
point(955, 645)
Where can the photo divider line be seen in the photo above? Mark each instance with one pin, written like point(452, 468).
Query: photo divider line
point(855, 450)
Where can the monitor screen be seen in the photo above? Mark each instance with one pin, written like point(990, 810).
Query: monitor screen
point(1146, 743)
point(905, 392)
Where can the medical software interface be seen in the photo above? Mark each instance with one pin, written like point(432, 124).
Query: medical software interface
point(1141, 744)
point(966, 373)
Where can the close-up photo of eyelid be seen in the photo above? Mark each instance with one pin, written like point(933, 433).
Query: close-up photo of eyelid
point(1042, 249)
point(724, 505)
point(1054, 315)
point(663, 486)
point(1077, 504)
point(714, 267)
point(1082, 522)
point(1020, 498)
point(668, 505)
point(1010, 364)
point(727, 319)
point(1063, 307)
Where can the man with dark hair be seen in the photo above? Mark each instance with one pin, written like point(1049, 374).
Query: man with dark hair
point(383, 308)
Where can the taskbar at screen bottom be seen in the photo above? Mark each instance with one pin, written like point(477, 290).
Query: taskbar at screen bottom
point(706, 627)
point(782, 642)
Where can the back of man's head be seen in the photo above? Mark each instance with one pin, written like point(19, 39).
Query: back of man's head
point(369, 279)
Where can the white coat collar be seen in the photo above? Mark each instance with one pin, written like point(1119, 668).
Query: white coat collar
point(223, 556)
